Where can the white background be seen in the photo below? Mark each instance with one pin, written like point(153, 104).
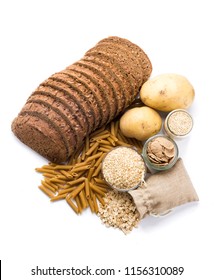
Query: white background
point(39, 38)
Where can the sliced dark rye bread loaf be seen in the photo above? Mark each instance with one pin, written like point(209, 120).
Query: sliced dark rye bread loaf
point(47, 121)
point(125, 60)
point(84, 80)
point(71, 108)
point(53, 117)
point(30, 126)
point(85, 93)
point(70, 122)
point(122, 72)
point(104, 86)
point(119, 73)
point(99, 92)
point(70, 93)
point(109, 90)
point(133, 49)
point(112, 81)
point(134, 56)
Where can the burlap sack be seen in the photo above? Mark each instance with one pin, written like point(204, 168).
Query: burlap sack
point(164, 191)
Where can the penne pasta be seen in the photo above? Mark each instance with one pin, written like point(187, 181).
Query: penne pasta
point(98, 162)
point(47, 175)
point(97, 170)
point(54, 186)
point(66, 174)
point(95, 203)
point(46, 191)
point(57, 180)
point(112, 141)
point(90, 173)
point(48, 186)
point(96, 189)
point(87, 190)
point(80, 181)
point(68, 190)
point(64, 167)
point(77, 181)
point(105, 150)
point(92, 148)
point(91, 205)
point(58, 197)
point(99, 197)
point(77, 190)
point(72, 205)
point(114, 138)
point(80, 168)
point(45, 170)
point(99, 137)
point(98, 155)
point(83, 199)
point(78, 203)
point(100, 181)
point(103, 142)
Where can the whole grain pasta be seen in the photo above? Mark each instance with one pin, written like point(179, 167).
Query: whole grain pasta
point(80, 181)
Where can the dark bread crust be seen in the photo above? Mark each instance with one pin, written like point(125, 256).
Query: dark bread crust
point(86, 95)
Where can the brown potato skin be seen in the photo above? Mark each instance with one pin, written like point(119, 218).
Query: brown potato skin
point(140, 123)
point(167, 92)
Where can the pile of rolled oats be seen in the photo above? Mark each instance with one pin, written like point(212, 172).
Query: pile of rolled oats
point(119, 211)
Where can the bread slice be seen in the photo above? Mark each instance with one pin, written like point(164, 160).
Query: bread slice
point(69, 93)
point(118, 73)
point(70, 124)
point(40, 135)
point(125, 61)
point(85, 94)
point(99, 93)
point(83, 80)
point(133, 50)
point(112, 81)
point(109, 90)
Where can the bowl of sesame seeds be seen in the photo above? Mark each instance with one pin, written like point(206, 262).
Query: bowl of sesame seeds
point(123, 168)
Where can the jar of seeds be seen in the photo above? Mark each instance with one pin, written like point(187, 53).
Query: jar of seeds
point(178, 123)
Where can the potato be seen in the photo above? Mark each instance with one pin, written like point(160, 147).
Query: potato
point(140, 123)
point(167, 92)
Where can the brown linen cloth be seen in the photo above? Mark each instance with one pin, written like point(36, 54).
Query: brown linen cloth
point(164, 191)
